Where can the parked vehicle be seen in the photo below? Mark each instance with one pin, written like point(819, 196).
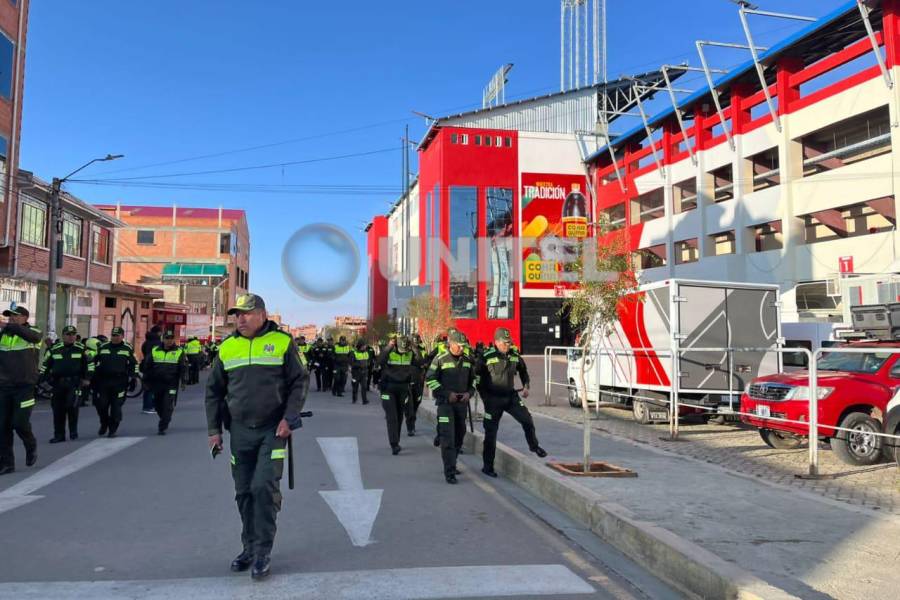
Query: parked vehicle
point(685, 314)
point(857, 391)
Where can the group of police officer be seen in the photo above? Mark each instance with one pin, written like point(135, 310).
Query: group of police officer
point(332, 363)
point(98, 367)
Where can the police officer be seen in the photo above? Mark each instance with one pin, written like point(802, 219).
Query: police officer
point(165, 369)
point(451, 379)
point(20, 348)
point(91, 347)
point(496, 372)
point(193, 348)
point(304, 349)
point(341, 360)
point(398, 363)
point(328, 364)
point(257, 389)
point(416, 387)
point(359, 370)
point(115, 366)
point(372, 374)
point(317, 362)
point(66, 368)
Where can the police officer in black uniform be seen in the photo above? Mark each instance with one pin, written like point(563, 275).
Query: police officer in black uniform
point(21, 347)
point(115, 366)
point(66, 368)
point(328, 364)
point(341, 359)
point(451, 379)
point(165, 369)
point(398, 364)
point(496, 372)
point(256, 390)
point(359, 370)
point(317, 362)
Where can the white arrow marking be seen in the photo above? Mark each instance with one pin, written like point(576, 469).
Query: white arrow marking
point(354, 506)
point(21, 493)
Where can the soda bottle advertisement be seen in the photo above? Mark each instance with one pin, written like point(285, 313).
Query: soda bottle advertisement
point(555, 216)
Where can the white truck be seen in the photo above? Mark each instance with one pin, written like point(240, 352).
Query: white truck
point(683, 314)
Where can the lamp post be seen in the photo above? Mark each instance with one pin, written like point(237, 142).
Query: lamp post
point(55, 242)
point(213, 322)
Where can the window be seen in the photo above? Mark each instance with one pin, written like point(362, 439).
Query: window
point(34, 223)
point(488, 140)
point(11, 295)
point(100, 242)
point(507, 141)
point(849, 141)
point(796, 359)
point(7, 52)
point(813, 295)
point(109, 302)
point(145, 304)
point(453, 138)
point(648, 206)
point(869, 362)
point(686, 251)
point(723, 183)
point(4, 147)
point(722, 243)
point(613, 218)
point(84, 301)
point(464, 274)
point(649, 258)
point(71, 235)
point(224, 243)
point(872, 216)
point(767, 236)
point(685, 195)
point(500, 303)
point(464, 139)
point(477, 140)
point(146, 237)
point(764, 167)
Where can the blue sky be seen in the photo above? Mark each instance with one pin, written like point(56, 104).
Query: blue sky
point(170, 80)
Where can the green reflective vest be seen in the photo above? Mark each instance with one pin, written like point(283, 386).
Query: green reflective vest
point(266, 350)
point(163, 357)
point(193, 347)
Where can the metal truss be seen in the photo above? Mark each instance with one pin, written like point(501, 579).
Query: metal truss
point(864, 12)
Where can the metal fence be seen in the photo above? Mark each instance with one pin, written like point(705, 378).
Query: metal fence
point(674, 402)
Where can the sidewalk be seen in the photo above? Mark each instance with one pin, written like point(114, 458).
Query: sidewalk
point(808, 546)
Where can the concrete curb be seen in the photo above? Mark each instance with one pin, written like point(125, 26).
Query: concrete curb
point(680, 562)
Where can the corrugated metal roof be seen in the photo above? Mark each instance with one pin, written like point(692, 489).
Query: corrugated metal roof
point(818, 48)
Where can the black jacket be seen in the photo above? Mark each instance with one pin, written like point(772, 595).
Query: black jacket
point(65, 362)
point(450, 374)
point(166, 367)
point(20, 352)
point(397, 369)
point(115, 363)
point(256, 381)
point(497, 372)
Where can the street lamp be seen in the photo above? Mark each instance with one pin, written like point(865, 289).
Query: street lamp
point(55, 245)
point(213, 322)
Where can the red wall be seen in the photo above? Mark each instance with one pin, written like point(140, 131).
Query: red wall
point(446, 165)
point(378, 288)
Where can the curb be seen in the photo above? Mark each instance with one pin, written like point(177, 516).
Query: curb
point(680, 562)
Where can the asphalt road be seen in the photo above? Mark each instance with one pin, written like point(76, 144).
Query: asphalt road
point(144, 516)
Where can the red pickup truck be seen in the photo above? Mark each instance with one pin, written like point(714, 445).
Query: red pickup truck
point(855, 391)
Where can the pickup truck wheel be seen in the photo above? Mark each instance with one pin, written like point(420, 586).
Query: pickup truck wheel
point(641, 411)
point(574, 400)
point(780, 440)
point(861, 446)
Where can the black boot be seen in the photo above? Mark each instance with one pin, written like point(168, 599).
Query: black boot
point(261, 567)
point(102, 430)
point(451, 478)
point(7, 470)
point(30, 456)
point(395, 450)
point(56, 439)
point(539, 451)
point(242, 561)
point(489, 471)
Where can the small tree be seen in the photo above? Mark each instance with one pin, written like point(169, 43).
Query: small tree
point(336, 332)
point(432, 316)
point(593, 308)
point(378, 328)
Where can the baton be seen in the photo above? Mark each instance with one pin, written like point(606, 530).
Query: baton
point(469, 410)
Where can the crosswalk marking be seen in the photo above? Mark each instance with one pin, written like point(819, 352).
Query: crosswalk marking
point(390, 584)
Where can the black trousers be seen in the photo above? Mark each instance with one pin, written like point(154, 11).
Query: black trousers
point(165, 397)
point(370, 373)
point(257, 463)
point(412, 407)
point(327, 377)
point(109, 403)
point(358, 382)
point(451, 428)
point(65, 403)
point(193, 368)
point(339, 381)
point(16, 402)
point(320, 375)
point(394, 400)
point(494, 407)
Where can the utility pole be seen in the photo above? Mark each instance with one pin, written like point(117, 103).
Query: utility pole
point(55, 243)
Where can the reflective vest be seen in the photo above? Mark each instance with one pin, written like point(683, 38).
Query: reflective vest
point(162, 357)
point(266, 350)
point(304, 348)
point(364, 355)
point(395, 358)
point(193, 347)
point(341, 349)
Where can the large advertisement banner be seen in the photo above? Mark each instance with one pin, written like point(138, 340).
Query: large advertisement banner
point(555, 215)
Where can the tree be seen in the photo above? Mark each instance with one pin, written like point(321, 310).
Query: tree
point(432, 316)
point(379, 327)
point(336, 332)
point(605, 276)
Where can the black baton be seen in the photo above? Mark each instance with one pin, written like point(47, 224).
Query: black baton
point(469, 410)
point(290, 449)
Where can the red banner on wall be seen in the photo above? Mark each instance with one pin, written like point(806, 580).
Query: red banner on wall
point(555, 213)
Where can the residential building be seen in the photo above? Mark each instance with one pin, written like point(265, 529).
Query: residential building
point(309, 331)
point(190, 254)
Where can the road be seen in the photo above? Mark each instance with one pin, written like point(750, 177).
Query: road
point(145, 516)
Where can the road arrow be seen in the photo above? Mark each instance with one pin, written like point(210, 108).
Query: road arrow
point(355, 507)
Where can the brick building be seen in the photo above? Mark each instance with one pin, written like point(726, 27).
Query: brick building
point(13, 30)
point(189, 254)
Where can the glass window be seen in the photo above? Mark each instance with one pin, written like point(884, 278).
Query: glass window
point(71, 235)
point(146, 237)
point(464, 139)
point(100, 239)
point(507, 141)
point(34, 224)
point(488, 140)
point(6, 66)
point(855, 363)
point(4, 143)
point(477, 140)
point(464, 274)
point(224, 243)
point(500, 231)
point(453, 138)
